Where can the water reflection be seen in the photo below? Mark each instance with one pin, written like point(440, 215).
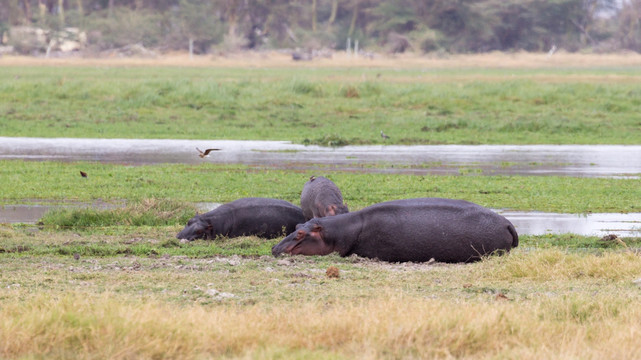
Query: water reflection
point(595, 224)
point(570, 160)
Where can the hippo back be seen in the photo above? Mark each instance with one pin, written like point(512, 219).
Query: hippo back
point(318, 194)
point(268, 218)
point(425, 228)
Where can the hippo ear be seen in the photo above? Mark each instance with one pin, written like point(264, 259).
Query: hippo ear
point(330, 210)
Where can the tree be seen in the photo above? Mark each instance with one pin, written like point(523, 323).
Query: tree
point(629, 31)
point(334, 11)
point(314, 15)
point(394, 15)
point(352, 24)
point(197, 21)
point(27, 10)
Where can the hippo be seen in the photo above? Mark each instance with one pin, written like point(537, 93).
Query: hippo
point(321, 197)
point(268, 218)
point(414, 230)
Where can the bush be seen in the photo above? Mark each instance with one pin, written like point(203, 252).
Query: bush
point(125, 27)
point(27, 40)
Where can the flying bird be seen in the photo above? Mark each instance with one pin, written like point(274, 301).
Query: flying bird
point(384, 136)
point(206, 152)
point(83, 174)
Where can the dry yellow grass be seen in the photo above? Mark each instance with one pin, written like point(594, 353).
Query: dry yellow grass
point(539, 303)
point(389, 326)
point(340, 59)
point(555, 264)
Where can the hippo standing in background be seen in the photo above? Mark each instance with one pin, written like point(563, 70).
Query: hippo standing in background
point(268, 218)
point(406, 230)
point(320, 198)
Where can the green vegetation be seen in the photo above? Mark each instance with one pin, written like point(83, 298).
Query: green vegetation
point(116, 283)
point(146, 241)
point(327, 106)
point(224, 183)
point(149, 212)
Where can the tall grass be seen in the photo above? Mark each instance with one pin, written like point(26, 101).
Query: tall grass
point(147, 212)
point(387, 326)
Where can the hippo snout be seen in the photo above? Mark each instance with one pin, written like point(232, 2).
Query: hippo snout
point(284, 246)
point(182, 236)
point(277, 250)
point(189, 234)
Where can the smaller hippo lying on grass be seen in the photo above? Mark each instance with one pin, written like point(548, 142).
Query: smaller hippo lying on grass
point(406, 230)
point(321, 197)
point(268, 218)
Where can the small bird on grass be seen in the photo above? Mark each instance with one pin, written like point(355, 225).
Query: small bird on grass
point(83, 174)
point(384, 136)
point(206, 152)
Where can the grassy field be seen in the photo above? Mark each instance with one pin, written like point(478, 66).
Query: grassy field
point(117, 283)
point(135, 291)
point(223, 183)
point(414, 104)
point(162, 299)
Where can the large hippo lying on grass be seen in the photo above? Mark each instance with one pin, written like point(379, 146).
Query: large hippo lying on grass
point(406, 230)
point(320, 198)
point(268, 218)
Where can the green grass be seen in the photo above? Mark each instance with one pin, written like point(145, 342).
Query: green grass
point(144, 241)
point(149, 212)
point(324, 106)
point(26, 181)
point(135, 291)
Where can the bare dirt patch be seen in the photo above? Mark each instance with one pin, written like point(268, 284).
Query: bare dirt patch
point(340, 59)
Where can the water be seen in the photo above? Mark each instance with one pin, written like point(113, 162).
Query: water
point(31, 213)
point(526, 222)
point(539, 160)
point(563, 160)
point(594, 224)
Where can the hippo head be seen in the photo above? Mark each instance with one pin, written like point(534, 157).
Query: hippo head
point(334, 209)
point(306, 240)
point(196, 228)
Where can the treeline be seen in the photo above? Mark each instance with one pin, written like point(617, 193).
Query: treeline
point(394, 25)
